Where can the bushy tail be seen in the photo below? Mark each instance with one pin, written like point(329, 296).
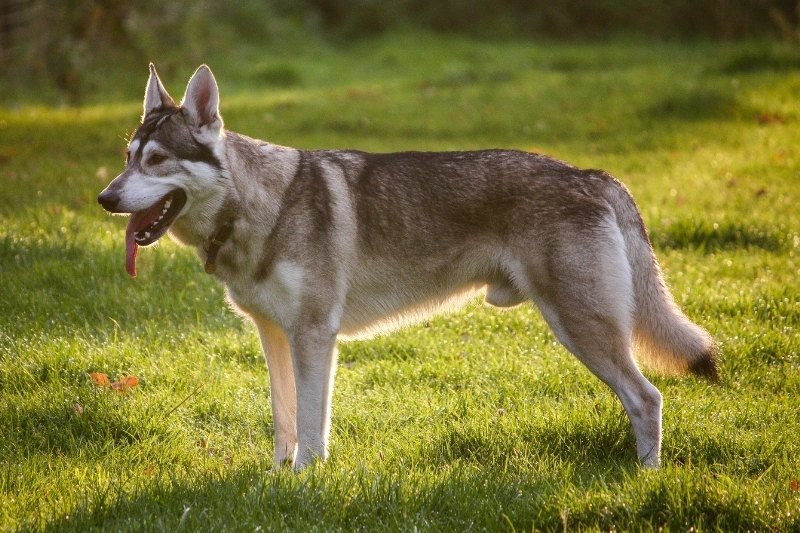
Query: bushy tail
point(664, 338)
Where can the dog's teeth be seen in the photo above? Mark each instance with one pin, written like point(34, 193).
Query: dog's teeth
point(146, 234)
point(167, 204)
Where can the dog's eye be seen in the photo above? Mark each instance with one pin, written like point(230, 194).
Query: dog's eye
point(155, 159)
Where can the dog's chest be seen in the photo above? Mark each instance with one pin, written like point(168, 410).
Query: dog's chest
point(277, 296)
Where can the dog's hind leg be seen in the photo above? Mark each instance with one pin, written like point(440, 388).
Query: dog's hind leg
point(586, 297)
point(282, 391)
point(604, 348)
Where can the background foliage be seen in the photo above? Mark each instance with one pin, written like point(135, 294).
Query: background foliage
point(63, 49)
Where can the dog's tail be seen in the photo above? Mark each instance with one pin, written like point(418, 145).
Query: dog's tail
point(664, 338)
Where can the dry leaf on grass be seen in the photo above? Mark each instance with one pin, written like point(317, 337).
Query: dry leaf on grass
point(123, 385)
point(100, 379)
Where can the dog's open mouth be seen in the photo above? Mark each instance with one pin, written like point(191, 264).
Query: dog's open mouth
point(148, 225)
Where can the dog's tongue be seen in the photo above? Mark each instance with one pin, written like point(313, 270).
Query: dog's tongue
point(131, 248)
point(137, 222)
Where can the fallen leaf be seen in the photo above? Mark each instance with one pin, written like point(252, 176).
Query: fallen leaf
point(77, 409)
point(770, 118)
point(100, 379)
point(124, 384)
point(794, 485)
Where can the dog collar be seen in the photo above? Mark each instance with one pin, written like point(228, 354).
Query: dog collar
point(214, 244)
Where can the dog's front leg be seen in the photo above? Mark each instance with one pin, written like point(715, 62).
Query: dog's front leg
point(314, 356)
point(282, 391)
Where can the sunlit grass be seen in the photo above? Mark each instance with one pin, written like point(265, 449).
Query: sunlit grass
point(476, 420)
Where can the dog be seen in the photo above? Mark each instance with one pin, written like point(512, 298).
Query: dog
point(313, 246)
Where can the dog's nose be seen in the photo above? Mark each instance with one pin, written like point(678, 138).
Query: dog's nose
point(109, 200)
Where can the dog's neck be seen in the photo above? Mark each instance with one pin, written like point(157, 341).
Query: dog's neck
point(255, 177)
point(215, 242)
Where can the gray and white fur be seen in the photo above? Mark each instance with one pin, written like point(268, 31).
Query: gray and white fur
point(329, 244)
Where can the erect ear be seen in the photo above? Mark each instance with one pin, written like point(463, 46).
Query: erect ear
point(155, 96)
point(201, 101)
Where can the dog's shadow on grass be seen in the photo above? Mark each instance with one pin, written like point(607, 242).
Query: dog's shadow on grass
point(604, 445)
point(456, 495)
point(460, 479)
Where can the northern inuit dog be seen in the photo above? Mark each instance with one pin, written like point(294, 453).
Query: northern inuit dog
point(315, 245)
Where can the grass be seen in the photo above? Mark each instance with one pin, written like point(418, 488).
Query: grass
point(471, 421)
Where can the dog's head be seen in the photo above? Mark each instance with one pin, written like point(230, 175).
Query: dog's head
point(173, 161)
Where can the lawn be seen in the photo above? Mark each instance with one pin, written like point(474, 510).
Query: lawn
point(476, 420)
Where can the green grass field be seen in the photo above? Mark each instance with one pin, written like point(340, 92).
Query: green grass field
point(473, 421)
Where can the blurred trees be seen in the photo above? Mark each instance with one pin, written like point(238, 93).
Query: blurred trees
point(561, 19)
point(65, 43)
